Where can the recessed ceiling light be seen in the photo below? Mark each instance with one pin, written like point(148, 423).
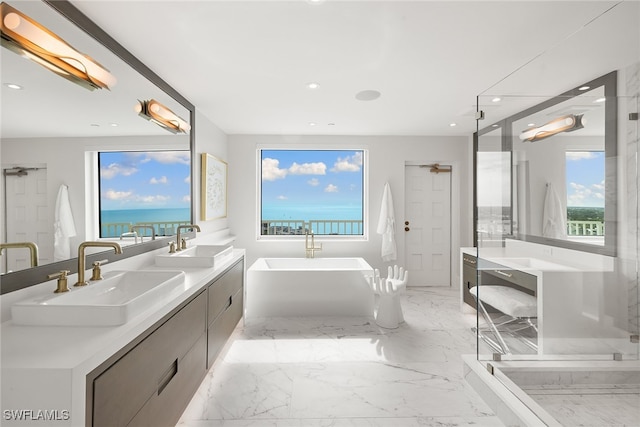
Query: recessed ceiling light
point(312, 123)
point(313, 85)
point(453, 124)
point(494, 125)
point(367, 95)
point(315, 1)
point(531, 125)
point(13, 86)
point(113, 125)
point(584, 88)
point(600, 100)
point(496, 99)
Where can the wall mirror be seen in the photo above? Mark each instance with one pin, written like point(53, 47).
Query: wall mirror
point(561, 157)
point(52, 132)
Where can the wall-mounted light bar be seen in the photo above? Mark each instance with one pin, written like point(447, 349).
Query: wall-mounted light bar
point(162, 116)
point(30, 39)
point(566, 123)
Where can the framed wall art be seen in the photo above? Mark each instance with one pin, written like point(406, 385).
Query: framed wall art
point(213, 201)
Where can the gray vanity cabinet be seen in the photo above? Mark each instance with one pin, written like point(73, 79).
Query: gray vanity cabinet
point(225, 309)
point(469, 278)
point(151, 374)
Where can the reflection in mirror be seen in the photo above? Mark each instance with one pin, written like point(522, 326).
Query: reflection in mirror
point(562, 159)
point(52, 131)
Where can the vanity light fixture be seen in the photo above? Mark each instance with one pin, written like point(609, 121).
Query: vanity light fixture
point(566, 123)
point(32, 40)
point(13, 86)
point(162, 116)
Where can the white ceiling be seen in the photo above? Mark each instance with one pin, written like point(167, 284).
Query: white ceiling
point(245, 64)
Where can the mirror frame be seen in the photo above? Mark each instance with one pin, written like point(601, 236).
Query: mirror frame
point(610, 84)
point(21, 279)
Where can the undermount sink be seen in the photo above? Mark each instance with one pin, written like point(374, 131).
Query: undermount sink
point(115, 300)
point(533, 263)
point(195, 256)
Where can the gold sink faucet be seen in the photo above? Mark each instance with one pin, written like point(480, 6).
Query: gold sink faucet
point(310, 250)
point(33, 250)
point(144, 227)
point(179, 247)
point(82, 260)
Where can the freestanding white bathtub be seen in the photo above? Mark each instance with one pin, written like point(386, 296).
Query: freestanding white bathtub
point(284, 287)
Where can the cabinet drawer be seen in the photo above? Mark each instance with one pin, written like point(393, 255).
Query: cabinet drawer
point(120, 391)
point(469, 260)
point(223, 288)
point(167, 404)
point(222, 327)
point(516, 277)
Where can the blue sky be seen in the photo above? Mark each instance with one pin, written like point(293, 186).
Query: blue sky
point(145, 180)
point(585, 178)
point(311, 179)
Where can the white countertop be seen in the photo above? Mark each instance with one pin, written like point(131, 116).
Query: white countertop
point(28, 351)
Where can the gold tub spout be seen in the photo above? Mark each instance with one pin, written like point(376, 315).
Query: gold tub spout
point(82, 260)
point(33, 250)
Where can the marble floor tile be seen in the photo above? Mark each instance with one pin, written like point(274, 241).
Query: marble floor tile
point(346, 371)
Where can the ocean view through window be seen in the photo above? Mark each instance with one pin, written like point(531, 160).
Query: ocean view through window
point(319, 191)
point(150, 188)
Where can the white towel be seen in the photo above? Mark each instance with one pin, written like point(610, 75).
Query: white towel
point(554, 221)
point(63, 225)
point(387, 225)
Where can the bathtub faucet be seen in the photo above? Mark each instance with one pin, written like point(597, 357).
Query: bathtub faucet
point(310, 251)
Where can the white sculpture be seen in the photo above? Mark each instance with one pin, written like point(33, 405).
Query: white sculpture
point(389, 314)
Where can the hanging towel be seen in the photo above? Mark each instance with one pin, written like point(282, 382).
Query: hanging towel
point(554, 222)
point(64, 227)
point(387, 225)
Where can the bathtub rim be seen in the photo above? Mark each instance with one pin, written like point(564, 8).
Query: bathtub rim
point(261, 264)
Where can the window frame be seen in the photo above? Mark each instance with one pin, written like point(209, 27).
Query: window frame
point(321, 237)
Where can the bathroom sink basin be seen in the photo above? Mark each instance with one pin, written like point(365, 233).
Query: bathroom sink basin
point(195, 256)
point(115, 300)
point(533, 264)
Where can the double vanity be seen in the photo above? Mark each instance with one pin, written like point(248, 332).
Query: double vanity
point(130, 349)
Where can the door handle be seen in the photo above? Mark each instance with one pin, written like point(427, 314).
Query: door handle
point(406, 223)
point(406, 229)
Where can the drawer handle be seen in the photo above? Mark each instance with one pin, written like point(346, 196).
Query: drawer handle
point(503, 273)
point(470, 261)
point(168, 376)
point(230, 302)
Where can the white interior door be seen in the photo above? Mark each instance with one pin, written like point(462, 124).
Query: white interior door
point(427, 226)
point(28, 219)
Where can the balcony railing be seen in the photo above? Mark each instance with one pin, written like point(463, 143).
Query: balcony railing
point(585, 228)
point(342, 227)
point(162, 228)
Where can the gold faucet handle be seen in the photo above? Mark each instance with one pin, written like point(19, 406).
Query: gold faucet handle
point(62, 281)
point(172, 247)
point(183, 244)
point(97, 273)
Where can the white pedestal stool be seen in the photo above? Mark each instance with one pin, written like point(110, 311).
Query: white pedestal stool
point(389, 314)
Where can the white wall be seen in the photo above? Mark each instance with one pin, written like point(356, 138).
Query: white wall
point(387, 158)
point(211, 140)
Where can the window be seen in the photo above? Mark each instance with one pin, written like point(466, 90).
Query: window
point(585, 195)
point(144, 188)
point(319, 191)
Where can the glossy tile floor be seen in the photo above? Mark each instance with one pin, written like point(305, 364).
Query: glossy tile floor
point(299, 372)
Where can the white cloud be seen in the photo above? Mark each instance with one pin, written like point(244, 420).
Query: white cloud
point(318, 168)
point(281, 197)
point(186, 199)
point(331, 189)
point(161, 180)
point(271, 170)
point(115, 169)
point(580, 155)
point(313, 182)
point(169, 157)
point(117, 195)
point(187, 179)
point(157, 199)
point(581, 195)
point(348, 164)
